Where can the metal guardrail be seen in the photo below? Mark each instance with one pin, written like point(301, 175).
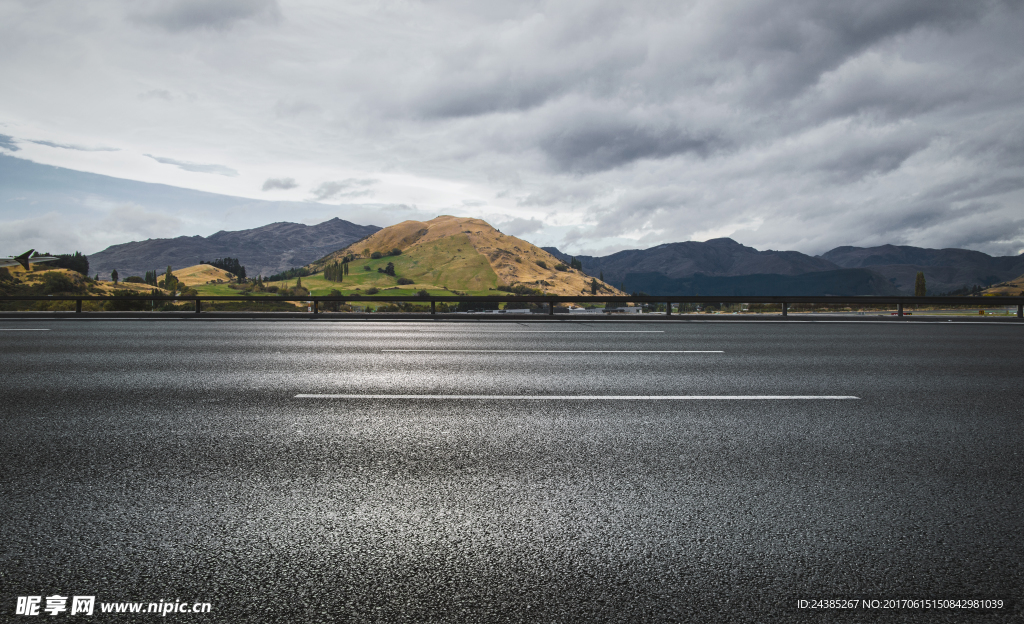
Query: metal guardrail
point(552, 300)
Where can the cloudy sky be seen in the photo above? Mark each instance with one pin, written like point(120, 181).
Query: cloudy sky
point(593, 126)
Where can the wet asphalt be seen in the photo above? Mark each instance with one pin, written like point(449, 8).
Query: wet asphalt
point(171, 460)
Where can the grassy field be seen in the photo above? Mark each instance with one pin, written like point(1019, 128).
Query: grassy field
point(451, 261)
point(224, 290)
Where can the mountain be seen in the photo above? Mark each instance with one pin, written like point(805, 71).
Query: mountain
point(719, 257)
point(724, 267)
point(944, 269)
point(845, 282)
point(468, 255)
point(264, 250)
point(1009, 288)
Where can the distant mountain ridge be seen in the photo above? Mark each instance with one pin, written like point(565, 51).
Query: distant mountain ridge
point(719, 257)
point(718, 266)
point(944, 269)
point(723, 266)
point(841, 282)
point(264, 250)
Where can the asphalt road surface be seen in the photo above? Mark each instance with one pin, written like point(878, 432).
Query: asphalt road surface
point(409, 472)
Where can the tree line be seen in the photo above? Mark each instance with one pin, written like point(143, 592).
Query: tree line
point(231, 265)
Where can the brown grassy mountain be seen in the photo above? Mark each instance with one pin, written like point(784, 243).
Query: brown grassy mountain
point(1009, 288)
point(455, 244)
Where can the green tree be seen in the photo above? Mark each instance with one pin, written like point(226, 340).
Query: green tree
point(920, 289)
point(334, 272)
point(298, 282)
point(170, 282)
point(390, 269)
point(74, 262)
point(593, 286)
point(113, 276)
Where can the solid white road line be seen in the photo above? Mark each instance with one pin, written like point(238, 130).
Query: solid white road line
point(560, 331)
point(4, 329)
point(527, 397)
point(524, 351)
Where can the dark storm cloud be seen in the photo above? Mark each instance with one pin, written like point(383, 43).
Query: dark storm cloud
point(195, 167)
point(784, 47)
point(593, 145)
point(343, 188)
point(183, 15)
point(280, 183)
point(972, 190)
point(800, 124)
point(7, 143)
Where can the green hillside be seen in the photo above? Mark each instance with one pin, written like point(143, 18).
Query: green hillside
point(451, 262)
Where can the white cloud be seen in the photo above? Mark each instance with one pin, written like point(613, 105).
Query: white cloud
point(804, 124)
point(195, 167)
point(133, 222)
point(283, 184)
point(343, 189)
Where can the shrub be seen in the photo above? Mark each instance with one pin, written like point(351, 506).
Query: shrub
point(372, 291)
point(520, 289)
point(472, 306)
point(542, 264)
point(54, 282)
point(404, 280)
point(272, 289)
point(127, 306)
point(561, 267)
point(395, 252)
point(376, 255)
point(423, 293)
point(134, 279)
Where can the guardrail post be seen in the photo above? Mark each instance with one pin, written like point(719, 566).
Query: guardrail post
point(1020, 310)
point(78, 306)
point(668, 309)
point(199, 306)
point(785, 309)
point(316, 306)
point(433, 307)
point(899, 310)
point(551, 308)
